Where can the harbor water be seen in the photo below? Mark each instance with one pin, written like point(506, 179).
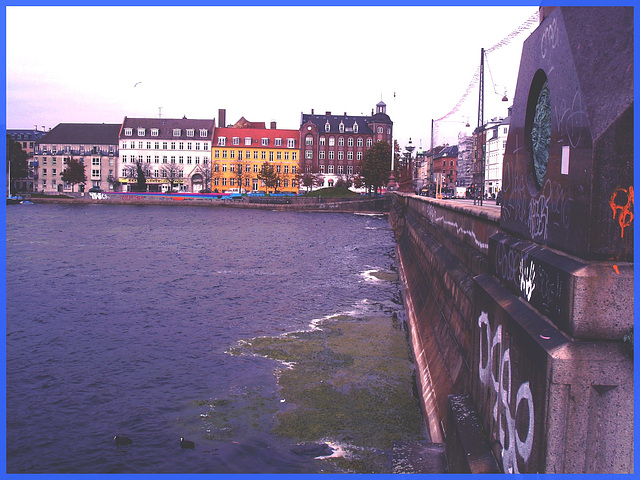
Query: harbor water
point(136, 320)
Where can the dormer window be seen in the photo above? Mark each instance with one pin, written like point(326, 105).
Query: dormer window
point(141, 132)
point(327, 126)
point(236, 141)
point(264, 142)
point(154, 132)
point(341, 127)
point(291, 143)
point(177, 132)
point(277, 142)
point(355, 127)
point(128, 132)
point(222, 141)
point(190, 132)
point(203, 132)
point(247, 140)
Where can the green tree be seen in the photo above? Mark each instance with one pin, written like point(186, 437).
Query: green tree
point(376, 166)
point(269, 176)
point(74, 173)
point(16, 160)
point(141, 184)
point(310, 179)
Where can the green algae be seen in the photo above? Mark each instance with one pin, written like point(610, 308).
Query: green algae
point(349, 381)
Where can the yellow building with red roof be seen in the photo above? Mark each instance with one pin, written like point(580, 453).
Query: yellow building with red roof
point(240, 152)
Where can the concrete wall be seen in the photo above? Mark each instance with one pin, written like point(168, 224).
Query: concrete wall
point(532, 336)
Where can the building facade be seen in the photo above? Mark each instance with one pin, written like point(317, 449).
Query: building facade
point(464, 177)
point(93, 145)
point(27, 140)
point(496, 144)
point(240, 151)
point(175, 154)
point(445, 166)
point(333, 146)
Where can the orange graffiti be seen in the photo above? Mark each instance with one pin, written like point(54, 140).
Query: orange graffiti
point(622, 202)
point(615, 267)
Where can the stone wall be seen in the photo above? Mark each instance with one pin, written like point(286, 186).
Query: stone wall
point(531, 335)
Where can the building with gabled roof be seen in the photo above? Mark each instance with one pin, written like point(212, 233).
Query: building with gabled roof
point(333, 145)
point(27, 139)
point(239, 153)
point(94, 144)
point(175, 154)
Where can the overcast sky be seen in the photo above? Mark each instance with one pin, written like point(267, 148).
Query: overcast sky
point(100, 64)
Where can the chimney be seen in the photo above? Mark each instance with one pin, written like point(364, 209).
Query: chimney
point(312, 111)
point(345, 114)
point(222, 117)
point(328, 113)
point(273, 124)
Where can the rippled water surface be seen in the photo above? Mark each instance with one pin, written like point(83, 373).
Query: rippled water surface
point(119, 320)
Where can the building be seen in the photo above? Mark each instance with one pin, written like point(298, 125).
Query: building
point(94, 144)
point(497, 133)
point(464, 176)
point(445, 166)
point(27, 140)
point(333, 145)
point(241, 150)
point(175, 154)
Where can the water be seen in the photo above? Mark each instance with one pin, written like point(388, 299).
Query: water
point(120, 319)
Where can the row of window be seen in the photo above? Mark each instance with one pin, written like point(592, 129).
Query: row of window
point(217, 168)
point(177, 132)
point(340, 171)
point(165, 145)
point(94, 161)
point(308, 154)
point(341, 127)
point(263, 155)
point(332, 141)
point(264, 141)
point(165, 159)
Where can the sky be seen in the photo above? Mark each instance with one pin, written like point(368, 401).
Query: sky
point(100, 64)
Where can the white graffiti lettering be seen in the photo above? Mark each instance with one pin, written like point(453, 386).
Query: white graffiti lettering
point(512, 445)
point(430, 213)
point(98, 196)
point(550, 38)
point(527, 279)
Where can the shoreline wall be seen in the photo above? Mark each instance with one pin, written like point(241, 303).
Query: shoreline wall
point(527, 338)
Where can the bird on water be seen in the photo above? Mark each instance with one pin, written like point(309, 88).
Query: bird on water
point(186, 443)
point(122, 440)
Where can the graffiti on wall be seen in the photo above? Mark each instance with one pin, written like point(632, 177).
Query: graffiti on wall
point(98, 196)
point(621, 203)
point(495, 373)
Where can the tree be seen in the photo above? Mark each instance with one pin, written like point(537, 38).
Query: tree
point(240, 175)
point(16, 160)
point(205, 171)
point(141, 185)
point(172, 172)
point(376, 166)
point(310, 179)
point(269, 176)
point(74, 173)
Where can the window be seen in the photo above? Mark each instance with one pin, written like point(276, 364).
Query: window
point(350, 142)
point(308, 154)
point(247, 140)
point(350, 169)
point(330, 169)
point(154, 132)
point(180, 159)
point(173, 159)
point(321, 168)
point(203, 132)
point(340, 155)
point(216, 154)
point(189, 146)
point(140, 145)
point(235, 141)
point(286, 169)
point(286, 155)
point(232, 167)
point(255, 168)
point(349, 155)
point(190, 132)
point(294, 155)
point(340, 169)
point(341, 142)
point(128, 132)
point(331, 155)
point(224, 154)
point(264, 142)
point(271, 156)
point(263, 155)
point(148, 158)
point(164, 145)
point(308, 140)
point(224, 167)
point(327, 127)
point(222, 141)
point(279, 156)
point(278, 169)
point(291, 143)
point(124, 145)
point(332, 141)
point(369, 142)
point(156, 159)
point(148, 145)
point(95, 173)
point(141, 132)
point(132, 144)
point(380, 130)
point(355, 127)
point(341, 127)
point(95, 162)
point(277, 142)
point(177, 132)
point(156, 145)
point(164, 159)
point(232, 154)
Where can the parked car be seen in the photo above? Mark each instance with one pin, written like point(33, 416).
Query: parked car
point(95, 190)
